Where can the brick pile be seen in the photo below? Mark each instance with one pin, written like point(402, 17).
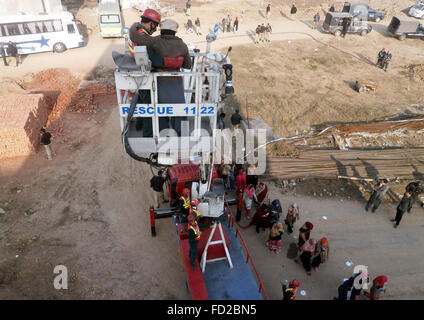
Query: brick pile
point(21, 118)
point(83, 100)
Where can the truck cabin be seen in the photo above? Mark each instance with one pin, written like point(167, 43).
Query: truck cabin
point(404, 25)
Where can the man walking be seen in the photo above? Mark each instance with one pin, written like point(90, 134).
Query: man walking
point(157, 183)
point(346, 24)
point(224, 24)
point(46, 141)
point(268, 10)
point(193, 239)
point(268, 31)
point(3, 54)
point(386, 59)
point(404, 205)
point(236, 119)
point(415, 188)
point(380, 57)
point(380, 190)
point(258, 34)
point(235, 25)
point(188, 7)
point(293, 9)
point(316, 21)
point(12, 51)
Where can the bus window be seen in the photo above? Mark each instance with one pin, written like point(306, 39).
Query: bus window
point(71, 28)
point(57, 25)
point(37, 27)
point(26, 28)
point(44, 27)
point(12, 29)
point(2, 31)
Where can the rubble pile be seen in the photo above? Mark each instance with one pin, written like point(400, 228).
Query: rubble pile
point(84, 98)
point(417, 71)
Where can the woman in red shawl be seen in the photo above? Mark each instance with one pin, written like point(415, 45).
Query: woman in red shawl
point(378, 286)
point(261, 217)
point(261, 193)
point(240, 185)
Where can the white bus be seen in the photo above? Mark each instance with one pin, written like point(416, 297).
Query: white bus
point(39, 33)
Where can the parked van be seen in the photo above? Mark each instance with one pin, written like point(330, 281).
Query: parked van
point(110, 18)
point(406, 27)
point(333, 23)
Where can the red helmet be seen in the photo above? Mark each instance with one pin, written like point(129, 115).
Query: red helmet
point(295, 283)
point(186, 191)
point(151, 15)
point(195, 202)
point(190, 218)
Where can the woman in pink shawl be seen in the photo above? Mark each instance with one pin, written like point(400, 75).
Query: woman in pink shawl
point(249, 197)
point(306, 257)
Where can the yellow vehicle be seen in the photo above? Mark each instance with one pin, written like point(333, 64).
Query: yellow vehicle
point(110, 18)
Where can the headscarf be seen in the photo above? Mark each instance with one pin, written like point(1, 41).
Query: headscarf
point(381, 280)
point(276, 206)
point(294, 207)
point(309, 225)
point(250, 190)
point(276, 229)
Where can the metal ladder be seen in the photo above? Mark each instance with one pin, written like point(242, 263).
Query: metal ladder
point(204, 259)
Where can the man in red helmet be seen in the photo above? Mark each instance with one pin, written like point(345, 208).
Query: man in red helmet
point(193, 209)
point(140, 35)
point(193, 239)
point(289, 293)
point(183, 207)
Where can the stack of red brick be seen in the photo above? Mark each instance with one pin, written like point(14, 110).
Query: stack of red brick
point(21, 118)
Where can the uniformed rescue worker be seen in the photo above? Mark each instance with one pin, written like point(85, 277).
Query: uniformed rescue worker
point(183, 207)
point(268, 31)
point(289, 293)
point(193, 239)
point(258, 34)
point(262, 33)
point(380, 57)
point(194, 209)
point(386, 59)
point(140, 35)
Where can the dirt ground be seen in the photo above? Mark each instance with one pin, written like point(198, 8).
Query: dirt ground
point(87, 209)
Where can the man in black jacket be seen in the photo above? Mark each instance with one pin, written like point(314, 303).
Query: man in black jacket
point(404, 205)
point(415, 188)
point(3, 54)
point(236, 119)
point(45, 140)
point(380, 190)
point(156, 183)
point(12, 51)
